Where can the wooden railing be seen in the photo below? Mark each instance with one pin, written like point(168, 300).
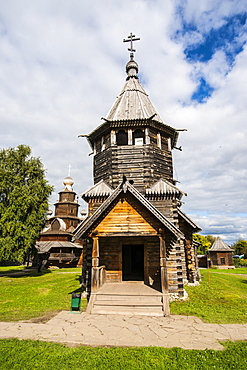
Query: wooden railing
point(98, 277)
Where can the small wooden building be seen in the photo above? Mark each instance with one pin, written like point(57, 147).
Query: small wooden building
point(220, 254)
point(136, 232)
point(55, 246)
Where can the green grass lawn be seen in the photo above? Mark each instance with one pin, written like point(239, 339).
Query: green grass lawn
point(33, 295)
point(220, 298)
point(26, 355)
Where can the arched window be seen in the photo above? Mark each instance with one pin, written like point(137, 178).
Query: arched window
point(138, 137)
point(122, 137)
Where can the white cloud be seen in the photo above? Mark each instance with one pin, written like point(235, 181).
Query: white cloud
point(208, 14)
point(63, 63)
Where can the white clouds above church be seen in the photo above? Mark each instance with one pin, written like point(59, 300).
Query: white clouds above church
point(62, 64)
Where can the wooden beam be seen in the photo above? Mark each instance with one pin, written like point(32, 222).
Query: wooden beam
point(130, 137)
point(163, 270)
point(95, 264)
point(95, 252)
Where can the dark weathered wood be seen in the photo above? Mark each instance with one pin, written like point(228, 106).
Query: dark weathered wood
point(163, 271)
point(142, 164)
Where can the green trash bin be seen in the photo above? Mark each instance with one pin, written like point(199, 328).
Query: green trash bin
point(76, 302)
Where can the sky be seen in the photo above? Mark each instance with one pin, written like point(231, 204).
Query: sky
point(62, 64)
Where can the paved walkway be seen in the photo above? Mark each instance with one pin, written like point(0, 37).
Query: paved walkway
point(187, 332)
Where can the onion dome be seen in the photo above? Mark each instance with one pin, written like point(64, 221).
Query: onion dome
point(131, 69)
point(68, 183)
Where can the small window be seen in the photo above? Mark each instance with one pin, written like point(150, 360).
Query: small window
point(222, 261)
point(122, 138)
point(138, 137)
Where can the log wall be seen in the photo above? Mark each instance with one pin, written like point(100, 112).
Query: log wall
point(144, 164)
point(215, 258)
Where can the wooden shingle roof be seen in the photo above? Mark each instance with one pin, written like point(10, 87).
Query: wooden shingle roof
point(220, 246)
point(164, 187)
point(133, 103)
point(189, 221)
point(45, 246)
point(99, 190)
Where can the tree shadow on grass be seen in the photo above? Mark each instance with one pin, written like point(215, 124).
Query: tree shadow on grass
point(81, 289)
point(31, 272)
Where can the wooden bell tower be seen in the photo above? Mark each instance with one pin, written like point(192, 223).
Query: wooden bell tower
point(133, 141)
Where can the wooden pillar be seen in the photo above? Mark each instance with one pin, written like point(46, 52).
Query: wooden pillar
point(163, 277)
point(163, 272)
point(147, 137)
point(102, 143)
point(113, 137)
point(95, 252)
point(130, 138)
point(158, 140)
point(95, 264)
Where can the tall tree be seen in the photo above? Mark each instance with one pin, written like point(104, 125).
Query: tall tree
point(24, 194)
point(240, 247)
point(205, 241)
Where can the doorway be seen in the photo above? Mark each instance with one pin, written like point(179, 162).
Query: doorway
point(133, 262)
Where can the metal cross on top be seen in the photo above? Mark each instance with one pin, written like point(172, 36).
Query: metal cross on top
point(69, 166)
point(130, 39)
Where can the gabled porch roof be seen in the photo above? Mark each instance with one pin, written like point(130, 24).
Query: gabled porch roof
point(124, 188)
point(189, 221)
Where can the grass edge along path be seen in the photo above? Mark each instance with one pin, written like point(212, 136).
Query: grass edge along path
point(27, 354)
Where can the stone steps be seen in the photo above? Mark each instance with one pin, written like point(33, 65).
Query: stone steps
point(128, 304)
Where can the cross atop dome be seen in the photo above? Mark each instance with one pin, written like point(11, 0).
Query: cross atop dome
point(130, 39)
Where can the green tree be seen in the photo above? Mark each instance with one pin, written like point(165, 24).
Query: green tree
point(240, 247)
point(205, 241)
point(24, 194)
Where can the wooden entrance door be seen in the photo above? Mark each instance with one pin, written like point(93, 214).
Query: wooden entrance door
point(133, 262)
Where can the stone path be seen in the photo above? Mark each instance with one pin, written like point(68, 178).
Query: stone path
point(186, 332)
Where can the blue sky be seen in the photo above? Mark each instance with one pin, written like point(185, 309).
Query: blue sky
point(62, 65)
point(228, 38)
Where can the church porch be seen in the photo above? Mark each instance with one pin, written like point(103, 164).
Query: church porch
point(126, 276)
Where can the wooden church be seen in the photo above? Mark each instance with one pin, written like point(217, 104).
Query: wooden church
point(138, 248)
point(54, 246)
